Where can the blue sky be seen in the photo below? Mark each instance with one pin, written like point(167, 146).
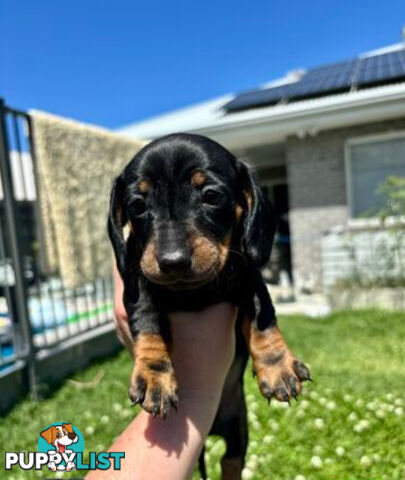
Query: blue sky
point(112, 62)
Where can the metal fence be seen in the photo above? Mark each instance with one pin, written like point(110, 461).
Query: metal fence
point(37, 310)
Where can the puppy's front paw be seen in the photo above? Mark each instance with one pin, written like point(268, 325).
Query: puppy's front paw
point(154, 387)
point(280, 375)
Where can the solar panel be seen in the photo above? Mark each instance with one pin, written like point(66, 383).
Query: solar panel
point(320, 81)
point(381, 68)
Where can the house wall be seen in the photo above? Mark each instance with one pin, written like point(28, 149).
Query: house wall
point(317, 193)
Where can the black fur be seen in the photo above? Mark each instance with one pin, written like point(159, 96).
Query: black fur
point(174, 206)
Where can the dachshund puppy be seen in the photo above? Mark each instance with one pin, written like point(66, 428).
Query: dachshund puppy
point(190, 227)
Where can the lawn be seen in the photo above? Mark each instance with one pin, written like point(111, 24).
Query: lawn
point(348, 425)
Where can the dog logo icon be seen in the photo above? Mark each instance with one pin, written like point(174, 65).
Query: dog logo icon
point(61, 441)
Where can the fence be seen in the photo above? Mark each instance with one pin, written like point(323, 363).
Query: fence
point(38, 311)
point(368, 256)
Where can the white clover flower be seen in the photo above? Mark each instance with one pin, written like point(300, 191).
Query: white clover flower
point(88, 414)
point(365, 460)
point(380, 413)
point(328, 461)
point(390, 408)
point(385, 406)
point(319, 423)
point(361, 426)
point(300, 477)
point(399, 411)
point(398, 402)
point(274, 425)
point(371, 406)
point(317, 449)
point(105, 419)
point(210, 442)
point(253, 444)
point(250, 398)
point(347, 398)
point(322, 401)
point(376, 457)
point(256, 425)
point(340, 451)
point(313, 394)
point(117, 407)
point(247, 474)
point(89, 430)
point(300, 413)
point(100, 447)
point(389, 396)
point(254, 406)
point(253, 462)
point(352, 417)
point(252, 416)
point(304, 404)
point(359, 402)
point(268, 439)
point(331, 405)
point(125, 413)
point(316, 461)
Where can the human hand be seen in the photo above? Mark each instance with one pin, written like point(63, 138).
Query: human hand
point(203, 350)
point(120, 314)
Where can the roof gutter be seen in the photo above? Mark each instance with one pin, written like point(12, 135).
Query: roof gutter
point(274, 124)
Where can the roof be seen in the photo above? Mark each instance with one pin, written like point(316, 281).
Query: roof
point(365, 71)
point(380, 76)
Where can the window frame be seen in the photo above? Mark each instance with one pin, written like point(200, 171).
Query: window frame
point(365, 139)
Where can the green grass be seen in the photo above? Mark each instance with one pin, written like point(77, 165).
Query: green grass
point(348, 425)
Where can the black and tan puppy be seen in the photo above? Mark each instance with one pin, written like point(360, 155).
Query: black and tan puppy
point(199, 228)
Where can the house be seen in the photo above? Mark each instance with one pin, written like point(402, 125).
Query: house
point(321, 140)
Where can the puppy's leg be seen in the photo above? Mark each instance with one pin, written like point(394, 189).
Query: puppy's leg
point(153, 383)
point(236, 438)
point(231, 420)
point(278, 372)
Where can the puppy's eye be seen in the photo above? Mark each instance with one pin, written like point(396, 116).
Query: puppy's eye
point(137, 206)
point(58, 435)
point(212, 197)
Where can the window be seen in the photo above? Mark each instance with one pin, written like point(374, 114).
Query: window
point(369, 163)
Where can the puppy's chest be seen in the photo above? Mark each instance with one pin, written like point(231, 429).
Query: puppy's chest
point(235, 289)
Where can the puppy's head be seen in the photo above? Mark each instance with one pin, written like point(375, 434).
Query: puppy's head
point(60, 436)
point(186, 202)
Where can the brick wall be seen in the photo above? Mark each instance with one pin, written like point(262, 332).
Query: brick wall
point(317, 192)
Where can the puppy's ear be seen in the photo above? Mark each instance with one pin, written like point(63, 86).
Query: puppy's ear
point(260, 220)
point(116, 222)
point(68, 426)
point(49, 434)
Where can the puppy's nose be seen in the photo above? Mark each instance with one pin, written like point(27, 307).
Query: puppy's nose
point(174, 261)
